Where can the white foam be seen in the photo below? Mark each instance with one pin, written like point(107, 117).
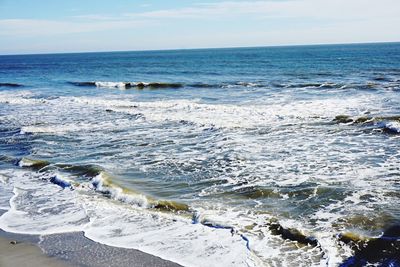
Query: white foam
point(19, 98)
point(56, 129)
point(169, 237)
point(250, 115)
point(5, 191)
point(39, 207)
point(193, 111)
point(248, 84)
point(110, 101)
point(274, 142)
point(3, 179)
point(119, 85)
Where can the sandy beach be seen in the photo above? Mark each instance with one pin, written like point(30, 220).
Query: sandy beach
point(25, 254)
point(70, 249)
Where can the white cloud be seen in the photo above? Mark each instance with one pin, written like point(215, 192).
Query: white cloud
point(328, 9)
point(267, 23)
point(302, 10)
point(208, 10)
point(34, 27)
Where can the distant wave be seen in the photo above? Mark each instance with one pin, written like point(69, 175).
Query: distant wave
point(386, 85)
point(156, 85)
point(10, 85)
point(227, 85)
point(380, 83)
point(326, 85)
point(127, 85)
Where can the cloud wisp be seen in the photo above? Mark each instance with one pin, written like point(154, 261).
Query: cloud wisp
point(330, 10)
point(212, 24)
point(35, 27)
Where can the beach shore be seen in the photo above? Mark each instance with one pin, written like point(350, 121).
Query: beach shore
point(69, 249)
point(25, 254)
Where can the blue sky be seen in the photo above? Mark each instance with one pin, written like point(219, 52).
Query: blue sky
point(43, 26)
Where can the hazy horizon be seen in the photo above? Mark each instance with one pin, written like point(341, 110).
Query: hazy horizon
point(201, 48)
point(28, 27)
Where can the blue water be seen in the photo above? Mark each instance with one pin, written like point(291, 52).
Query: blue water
point(307, 136)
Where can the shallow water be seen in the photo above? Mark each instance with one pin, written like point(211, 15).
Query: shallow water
point(206, 157)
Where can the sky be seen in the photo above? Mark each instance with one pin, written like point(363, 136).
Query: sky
point(48, 26)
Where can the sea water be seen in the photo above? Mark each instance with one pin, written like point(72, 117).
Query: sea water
point(277, 156)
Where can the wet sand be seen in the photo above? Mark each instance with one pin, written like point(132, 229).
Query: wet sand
point(25, 254)
point(69, 249)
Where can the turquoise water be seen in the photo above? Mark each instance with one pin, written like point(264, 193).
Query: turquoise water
point(250, 156)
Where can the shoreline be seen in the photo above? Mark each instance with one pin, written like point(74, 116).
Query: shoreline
point(69, 249)
point(22, 250)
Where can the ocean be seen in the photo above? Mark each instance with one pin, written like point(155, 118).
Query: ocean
point(274, 156)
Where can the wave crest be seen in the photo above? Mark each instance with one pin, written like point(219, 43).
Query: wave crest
point(127, 85)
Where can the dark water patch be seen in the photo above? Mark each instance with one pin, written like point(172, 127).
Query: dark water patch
point(246, 240)
point(10, 85)
point(323, 74)
point(254, 192)
point(373, 86)
point(389, 128)
point(279, 85)
point(343, 119)
point(382, 251)
point(203, 85)
point(212, 99)
point(83, 84)
point(157, 85)
point(60, 182)
point(168, 205)
point(369, 86)
point(373, 223)
point(291, 234)
point(8, 159)
point(382, 79)
point(8, 134)
point(15, 145)
point(186, 122)
point(303, 193)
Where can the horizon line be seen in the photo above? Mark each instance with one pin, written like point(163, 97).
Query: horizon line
point(200, 48)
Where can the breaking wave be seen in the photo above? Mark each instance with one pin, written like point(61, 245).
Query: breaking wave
point(128, 85)
point(377, 84)
point(158, 85)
